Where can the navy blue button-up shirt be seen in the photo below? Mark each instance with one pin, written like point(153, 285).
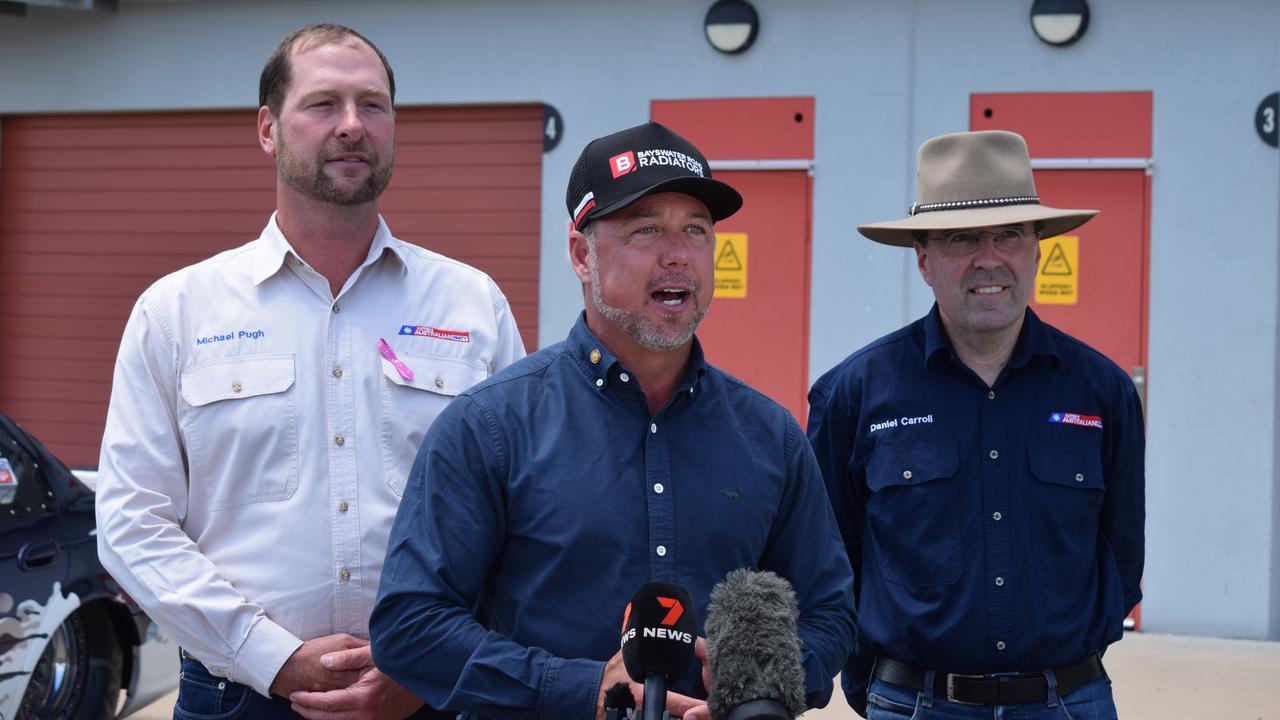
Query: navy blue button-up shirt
point(991, 529)
point(544, 497)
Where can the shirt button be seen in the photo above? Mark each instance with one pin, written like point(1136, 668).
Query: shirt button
point(343, 506)
point(906, 474)
point(1000, 645)
point(999, 582)
point(345, 574)
point(236, 387)
point(994, 454)
point(657, 487)
point(662, 551)
point(337, 308)
point(439, 382)
point(339, 440)
point(595, 356)
point(1079, 477)
point(653, 428)
point(625, 377)
point(991, 394)
point(337, 371)
point(997, 516)
point(599, 382)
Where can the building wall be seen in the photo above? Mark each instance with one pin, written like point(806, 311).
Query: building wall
point(886, 75)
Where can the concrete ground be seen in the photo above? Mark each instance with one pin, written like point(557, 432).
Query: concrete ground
point(1156, 677)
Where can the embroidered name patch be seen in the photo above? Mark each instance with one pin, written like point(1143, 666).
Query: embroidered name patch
point(896, 422)
point(461, 336)
point(1092, 421)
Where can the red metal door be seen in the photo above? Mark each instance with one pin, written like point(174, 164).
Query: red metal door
point(758, 326)
point(763, 338)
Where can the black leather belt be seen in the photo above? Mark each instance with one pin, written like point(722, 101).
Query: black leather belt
point(982, 690)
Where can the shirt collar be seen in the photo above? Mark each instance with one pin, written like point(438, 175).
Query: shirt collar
point(603, 367)
point(1033, 339)
point(273, 248)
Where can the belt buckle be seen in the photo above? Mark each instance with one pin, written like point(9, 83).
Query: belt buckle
point(951, 688)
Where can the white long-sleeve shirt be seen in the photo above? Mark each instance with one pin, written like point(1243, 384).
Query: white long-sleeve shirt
point(257, 440)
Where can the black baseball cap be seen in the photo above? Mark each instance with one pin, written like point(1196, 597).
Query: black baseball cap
point(616, 170)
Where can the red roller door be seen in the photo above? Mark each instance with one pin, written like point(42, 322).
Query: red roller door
point(94, 208)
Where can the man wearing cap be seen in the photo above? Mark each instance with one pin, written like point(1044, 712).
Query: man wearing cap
point(543, 498)
point(986, 469)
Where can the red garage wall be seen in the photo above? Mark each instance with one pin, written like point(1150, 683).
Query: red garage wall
point(94, 208)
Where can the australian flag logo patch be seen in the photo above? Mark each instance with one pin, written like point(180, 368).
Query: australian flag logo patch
point(1092, 421)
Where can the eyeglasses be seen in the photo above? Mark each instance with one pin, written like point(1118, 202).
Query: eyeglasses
point(959, 243)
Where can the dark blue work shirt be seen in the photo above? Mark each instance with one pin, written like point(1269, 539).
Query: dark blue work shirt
point(545, 496)
point(990, 529)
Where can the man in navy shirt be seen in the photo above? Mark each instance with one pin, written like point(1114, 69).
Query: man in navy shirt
point(986, 469)
point(540, 501)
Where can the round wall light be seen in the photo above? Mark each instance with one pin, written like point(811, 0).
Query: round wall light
point(1060, 22)
point(731, 26)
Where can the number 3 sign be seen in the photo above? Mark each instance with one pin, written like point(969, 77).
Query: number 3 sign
point(1267, 119)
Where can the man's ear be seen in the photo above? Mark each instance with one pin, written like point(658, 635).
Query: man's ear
point(266, 130)
point(578, 252)
point(922, 261)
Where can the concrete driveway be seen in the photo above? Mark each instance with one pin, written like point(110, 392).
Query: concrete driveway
point(1157, 677)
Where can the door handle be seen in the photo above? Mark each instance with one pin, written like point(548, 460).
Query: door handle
point(38, 554)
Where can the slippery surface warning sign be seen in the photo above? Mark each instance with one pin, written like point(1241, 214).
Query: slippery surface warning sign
point(731, 265)
point(1058, 277)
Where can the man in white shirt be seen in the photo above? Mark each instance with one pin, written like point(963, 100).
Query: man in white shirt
point(268, 403)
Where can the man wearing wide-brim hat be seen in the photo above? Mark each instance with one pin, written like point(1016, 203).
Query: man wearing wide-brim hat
point(985, 468)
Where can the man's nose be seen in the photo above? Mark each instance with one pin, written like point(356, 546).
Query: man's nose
point(675, 251)
point(987, 256)
point(350, 127)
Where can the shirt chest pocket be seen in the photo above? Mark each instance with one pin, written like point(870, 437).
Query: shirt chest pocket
point(408, 407)
point(240, 428)
point(913, 513)
point(1067, 502)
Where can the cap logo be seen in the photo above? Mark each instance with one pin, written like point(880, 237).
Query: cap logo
point(622, 164)
point(670, 157)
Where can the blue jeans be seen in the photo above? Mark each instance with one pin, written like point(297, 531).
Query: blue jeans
point(1091, 701)
point(204, 696)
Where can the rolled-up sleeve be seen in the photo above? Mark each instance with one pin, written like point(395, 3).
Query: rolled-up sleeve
point(142, 497)
point(448, 534)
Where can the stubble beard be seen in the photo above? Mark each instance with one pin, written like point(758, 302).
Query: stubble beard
point(316, 185)
point(648, 334)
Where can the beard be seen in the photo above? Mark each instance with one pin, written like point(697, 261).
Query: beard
point(648, 334)
point(309, 178)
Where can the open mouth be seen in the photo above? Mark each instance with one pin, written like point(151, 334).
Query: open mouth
point(670, 297)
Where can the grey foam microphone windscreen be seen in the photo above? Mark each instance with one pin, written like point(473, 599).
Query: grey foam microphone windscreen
point(753, 649)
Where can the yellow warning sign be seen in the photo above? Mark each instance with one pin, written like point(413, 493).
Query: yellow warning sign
point(1058, 277)
point(731, 265)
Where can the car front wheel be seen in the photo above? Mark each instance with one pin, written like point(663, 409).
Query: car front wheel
point(78, 675)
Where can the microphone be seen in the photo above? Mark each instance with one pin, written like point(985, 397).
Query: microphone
point(619, 703)
point(658, 633)
point(753, 650)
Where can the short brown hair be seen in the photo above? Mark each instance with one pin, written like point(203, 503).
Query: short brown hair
point(276, 74)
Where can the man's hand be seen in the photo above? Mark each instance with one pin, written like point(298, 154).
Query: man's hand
point(304, 671)
point(615, 672)
point(374, 696)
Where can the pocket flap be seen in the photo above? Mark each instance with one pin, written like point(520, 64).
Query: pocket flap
point(435, 373)
point(237, 377)
point(911, 464)
point(1069, 466)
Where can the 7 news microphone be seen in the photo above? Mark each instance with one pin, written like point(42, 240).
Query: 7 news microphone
point(659, 629)
point(753, 649)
